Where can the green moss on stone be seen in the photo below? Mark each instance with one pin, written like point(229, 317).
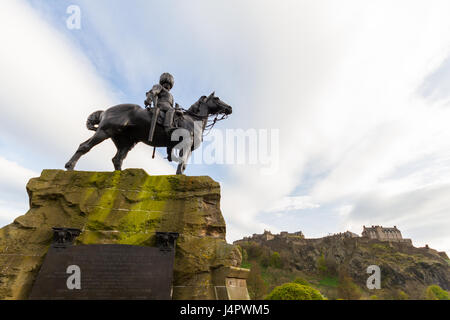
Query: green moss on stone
point(122, 207)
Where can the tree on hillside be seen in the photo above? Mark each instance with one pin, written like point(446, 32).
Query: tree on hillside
point(294, 291)
point(401, 295)
point(326, 266)
point(435, 292)
point(275, 260)
point(265, 260)
point(301, 281)
point(347, 289)
point(321, 265)
point(256, 286)
point(254, 251)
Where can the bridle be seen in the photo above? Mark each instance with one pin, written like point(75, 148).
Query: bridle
point(208, 120)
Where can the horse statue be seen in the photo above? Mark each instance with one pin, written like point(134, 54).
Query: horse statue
point(128, 124)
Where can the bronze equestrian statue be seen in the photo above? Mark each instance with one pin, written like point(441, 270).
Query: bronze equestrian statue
point(128, 124)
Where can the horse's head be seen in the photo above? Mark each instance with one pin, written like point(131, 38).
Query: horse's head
point(210, 105)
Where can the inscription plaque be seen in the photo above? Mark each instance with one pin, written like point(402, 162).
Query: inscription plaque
point(105, 271)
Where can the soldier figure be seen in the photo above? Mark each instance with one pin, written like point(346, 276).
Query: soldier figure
point(162, 98)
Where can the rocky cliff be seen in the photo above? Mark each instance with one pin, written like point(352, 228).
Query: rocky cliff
point(404, 268)
point(121, 207)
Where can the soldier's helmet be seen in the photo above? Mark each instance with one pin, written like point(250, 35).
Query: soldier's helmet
point(166, 78)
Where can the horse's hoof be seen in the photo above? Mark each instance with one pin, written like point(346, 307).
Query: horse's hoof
point(69, 166)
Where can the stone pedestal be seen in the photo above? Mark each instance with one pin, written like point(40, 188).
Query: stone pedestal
point(122, 207)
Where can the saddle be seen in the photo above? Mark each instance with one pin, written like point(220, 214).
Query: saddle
point(177, 117)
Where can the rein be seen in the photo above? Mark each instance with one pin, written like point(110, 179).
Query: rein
point(209, 122)
point(210, 125)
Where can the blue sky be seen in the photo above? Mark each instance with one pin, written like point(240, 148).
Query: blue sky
point(357, 90)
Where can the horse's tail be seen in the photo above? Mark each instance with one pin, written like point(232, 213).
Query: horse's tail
point(93, 120)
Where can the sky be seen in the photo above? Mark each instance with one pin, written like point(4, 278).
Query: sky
point(354, 96)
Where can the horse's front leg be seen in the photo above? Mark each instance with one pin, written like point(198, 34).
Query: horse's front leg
point(183, 161)
point(181, 167)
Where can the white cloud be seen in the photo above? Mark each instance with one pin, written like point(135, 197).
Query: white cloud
point(340, 82)
point(421, 214)
point(13, 195)
point(13, 177)
point(292, 203)
point(9, 210)
point(339, 79)
point(48, 88)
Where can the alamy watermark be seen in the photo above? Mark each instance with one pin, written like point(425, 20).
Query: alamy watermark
point(258, 147)
point(73, 22)
point(374, 280)
point(74, 280)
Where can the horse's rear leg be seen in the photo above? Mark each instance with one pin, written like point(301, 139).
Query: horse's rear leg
point(123, 147)
point(85, 147)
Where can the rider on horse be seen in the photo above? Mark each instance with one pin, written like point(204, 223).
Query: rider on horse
point(162, 98)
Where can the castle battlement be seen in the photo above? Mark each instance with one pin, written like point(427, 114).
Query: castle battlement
point(268, 236)
point(383, 234)
point(379, 233)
